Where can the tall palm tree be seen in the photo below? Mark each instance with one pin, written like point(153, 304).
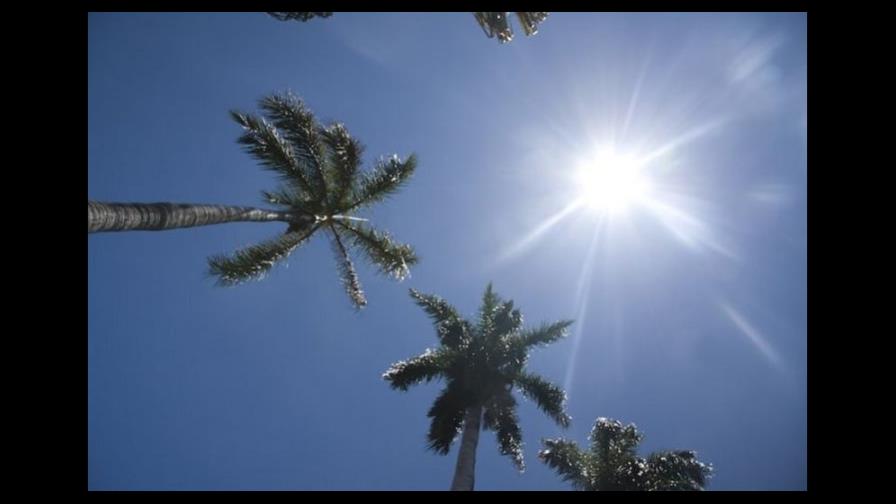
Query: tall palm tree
point(321, 189)
point(480, 363)
point(492, 23)
point(497, 23)
point(611, 463)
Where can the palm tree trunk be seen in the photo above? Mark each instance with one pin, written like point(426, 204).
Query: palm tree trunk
point(162, 216)
point(465, 470)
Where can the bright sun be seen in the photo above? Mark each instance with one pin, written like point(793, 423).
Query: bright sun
point(611, 182)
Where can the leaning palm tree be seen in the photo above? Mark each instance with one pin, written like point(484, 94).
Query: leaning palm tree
point(481, 363)
point(611, 463)
point(321, 189)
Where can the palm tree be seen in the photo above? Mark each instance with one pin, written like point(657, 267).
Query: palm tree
point(497, 23)
point(300, 16)
point(321, 188)
point(492, 23)
point(611, 464)
point(481, 363)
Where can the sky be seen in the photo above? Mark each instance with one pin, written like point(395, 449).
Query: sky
point(690, 303)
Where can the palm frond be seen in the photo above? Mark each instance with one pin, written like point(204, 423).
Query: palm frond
point(495, 23)
point(344, 155)
point(548, 397)
point(565, 458)
point(447, 413)
point(545, 333)
point(507, 320)
point(514, 355)
point(451, 328)
point(498, 23)
point(500, 416)
point(426, 367)
point(436, 307)
point(299, 126)
point(390, 257)
point(284, 196)
point(676, 470)
point(531, 20)
point(347, 271)
point(266, 144)
point(254, 261)
point(384, 180)
point(609, 438)
point(298, 16)
point(487, 310)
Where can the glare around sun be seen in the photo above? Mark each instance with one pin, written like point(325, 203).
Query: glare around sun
point(610, 182)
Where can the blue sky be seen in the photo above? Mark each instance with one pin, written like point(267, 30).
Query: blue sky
point(690, 309)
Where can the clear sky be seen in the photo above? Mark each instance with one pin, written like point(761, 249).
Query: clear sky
point(690, 305)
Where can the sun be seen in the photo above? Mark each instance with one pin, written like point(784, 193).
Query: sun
point(611, 183)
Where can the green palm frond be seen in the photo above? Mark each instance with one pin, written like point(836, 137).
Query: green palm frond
point(385, 179)
point(514, 355)
point(285, 196)
point(347, 271)
point(265, 143)
point(567, 460)
point(344, 156)
point(390, 257)
point(447, 413)
point(500, 416)
point(548, 397)
point(436, 307)
point(299, 126)
point(545, 333)
point(426, 367)
point(676, 470)
point(611, 438)
point(508, 321)
point(451, 329)
point(254, 261)
point(487, 311)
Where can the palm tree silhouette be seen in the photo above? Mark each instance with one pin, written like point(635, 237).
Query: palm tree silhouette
point(611, 463)
point(481, 364)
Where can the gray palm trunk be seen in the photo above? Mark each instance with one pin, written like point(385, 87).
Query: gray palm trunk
point(464, 471)
point(162, 216)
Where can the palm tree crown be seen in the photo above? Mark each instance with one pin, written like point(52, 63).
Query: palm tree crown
point(481, 363)
point(611, 463)
point(321, 182)
point(498, 23)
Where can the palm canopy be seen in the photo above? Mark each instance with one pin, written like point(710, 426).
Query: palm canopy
point(481, 362)
point(299, 16)
point(612, 465)
point(492, 23)
point(321, 186)
point(498, 23)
